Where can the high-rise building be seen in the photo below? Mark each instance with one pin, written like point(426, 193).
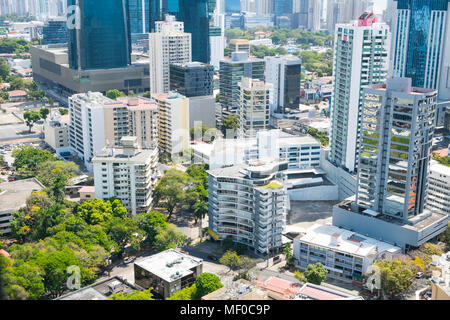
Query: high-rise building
point(192, 79)
point(231, 72)
point(239, 45)
point(249, 203)
point(127, 173)
point(314, 15)
point(217, 39)
point(55, 31)
point(97, 121)
point(173, 117)
point(421, 44)
point(360, 58)
point(139, 16)
point(103, 40)
point(254, 111)
point(397, 129)
point(197, 17)
point(284, 73)
point(167, 47)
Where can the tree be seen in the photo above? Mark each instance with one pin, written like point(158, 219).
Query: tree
point(114, 94)
point(445, 236)
point(47, 171)
point(135, 295)
point(287, 251)
point(4, 69)
point(300, 276)
point(17, 84)
point(27, 159)
point(149, 223)
point(168, 237)
point(315, 273)
point(63, 111)
point(396, 275)
point(230, 259)
point(58, 187)
point(97, 211)
point(200, 209)
point(230, 123)
point(124, 231)
point(31, 117)
point(171, 190)
point(44, 112)
point(205, 284)
point(184, 294)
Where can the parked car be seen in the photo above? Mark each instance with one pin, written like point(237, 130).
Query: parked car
point(212, 258)
point(419, 275)
point(129, 260)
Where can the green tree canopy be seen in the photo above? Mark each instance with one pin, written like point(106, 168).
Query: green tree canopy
point(31, 117)
point(169, 237)
point(114, 94)
point(205, 284)
point(27, 159)
point(315, 273)
point(149, 223)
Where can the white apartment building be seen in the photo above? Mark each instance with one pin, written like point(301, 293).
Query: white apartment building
point(169, 20)
point(360, 58)
point(97, 121)
point(249, 203)
point(438, 195)
point(127, 173)
point(56, 131)
point(173, 129)
point(254, 110)
point(345, 254)
point(300, 152)
point(217, 40)
point(167, 47)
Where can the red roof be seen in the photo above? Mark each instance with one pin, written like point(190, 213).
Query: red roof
point(280, 286)
point(87, 189)
point(4, 253)
point(17, 93)
point(321, 293)
point(441, 152)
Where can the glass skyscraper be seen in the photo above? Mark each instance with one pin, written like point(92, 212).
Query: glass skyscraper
point(196, 15)
point(104, 40)
point(139, 16)
point(420, 32)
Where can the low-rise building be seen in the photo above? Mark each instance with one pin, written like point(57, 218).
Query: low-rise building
point(17, 95)
point(240, 290)
point(86, 193)
point(440, 282)
point(345, 254)
point(13, 196)
point(101, 290)
point(167, 272)
point(127, 173)
point(56, 131)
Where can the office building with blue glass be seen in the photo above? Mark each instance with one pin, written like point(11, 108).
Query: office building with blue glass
point(55, 31)
point(421, 44)
point(103, 40)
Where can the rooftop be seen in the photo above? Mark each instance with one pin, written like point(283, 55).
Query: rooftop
point(15, 193)
point(169, 265)
point(346, 241)
point(138, 103)
point(87, 189)
point(311, 291)
point(17, 93)
point(439, 168)
point(100, 290)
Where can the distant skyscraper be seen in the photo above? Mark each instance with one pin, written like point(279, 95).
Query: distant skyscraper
point(197, 17)
point(139, 16)
point(104, 39)
point(284, 74)
point(55, 31)
point(231, 72)
point(360, 58)
point(232, 6)
point(421, 44)
point(314, 14)
point(192, 79)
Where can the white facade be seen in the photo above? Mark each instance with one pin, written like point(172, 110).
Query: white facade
point(173, 114)
point(169, 20)
point(250, 210)
point(56, 131)
point(438, 195)
point(166, 47)
point(360, 58)
point(254, 111)
point(345, 254)
point(301, 152)
point(217, 43)
point(127, 173)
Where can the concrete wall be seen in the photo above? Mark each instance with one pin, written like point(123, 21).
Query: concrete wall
point(345, 181)
point(202, 109)
point(324, 193)
point(399, 235)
